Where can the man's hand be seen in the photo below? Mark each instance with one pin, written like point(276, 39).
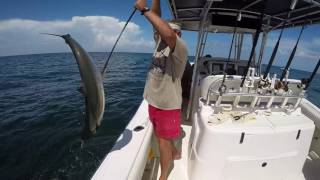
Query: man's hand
point(161, 26)
point(140, 4)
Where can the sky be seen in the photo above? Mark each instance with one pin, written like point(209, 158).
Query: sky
point(96, 24)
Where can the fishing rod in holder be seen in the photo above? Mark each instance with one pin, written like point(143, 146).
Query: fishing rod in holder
point(223, 87)
point(255, 41)
point(273, 55)
point(264, 81)
point(282, 84)
point(286, 69)
point(308, 81)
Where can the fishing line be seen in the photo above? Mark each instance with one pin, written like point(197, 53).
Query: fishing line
point(105, 65)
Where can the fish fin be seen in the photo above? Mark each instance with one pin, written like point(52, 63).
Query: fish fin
point(82, 89)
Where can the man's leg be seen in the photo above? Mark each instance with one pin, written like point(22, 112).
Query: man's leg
point(176, 154)
point(166, 125)
point(166, 152)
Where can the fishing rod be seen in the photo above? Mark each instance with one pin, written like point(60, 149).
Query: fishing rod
point(238, 19)
point(312, 75)
point(274, 52)
point(255, 41)
point(129, 19)
point(284, 72)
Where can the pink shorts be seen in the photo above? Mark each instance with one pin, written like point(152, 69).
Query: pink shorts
point(166, 123)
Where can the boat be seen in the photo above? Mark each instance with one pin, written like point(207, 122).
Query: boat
point(240, 123)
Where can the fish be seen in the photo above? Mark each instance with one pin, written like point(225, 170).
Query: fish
point(91, 87)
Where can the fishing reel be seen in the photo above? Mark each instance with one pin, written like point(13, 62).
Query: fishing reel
point(222, 89)
point(304, 83)
point(281, 85)
point(264, 83)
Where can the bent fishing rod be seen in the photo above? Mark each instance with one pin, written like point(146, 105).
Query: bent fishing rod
point(115, 44)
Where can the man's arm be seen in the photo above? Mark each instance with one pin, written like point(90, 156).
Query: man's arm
point(162, 27)
point(156, 8)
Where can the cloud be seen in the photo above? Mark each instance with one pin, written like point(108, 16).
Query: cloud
point(94, 33)
point(306, 49)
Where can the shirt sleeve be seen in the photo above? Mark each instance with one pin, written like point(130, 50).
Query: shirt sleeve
point(180, 51)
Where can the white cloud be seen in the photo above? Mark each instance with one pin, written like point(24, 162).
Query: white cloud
point(94, 33)
point(305, 49)
point(306, 55)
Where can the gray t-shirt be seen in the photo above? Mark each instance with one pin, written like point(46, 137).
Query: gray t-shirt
point(163, 84)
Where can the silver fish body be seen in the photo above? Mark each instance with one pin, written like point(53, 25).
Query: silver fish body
point(92, 87)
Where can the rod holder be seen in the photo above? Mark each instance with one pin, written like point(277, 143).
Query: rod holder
point(254, 102)
point(284, 102)
point(218, 102)
point(236, 101)
point(270, 102)
point(297, 103)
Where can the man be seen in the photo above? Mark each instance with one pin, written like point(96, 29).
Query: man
point(163, 89)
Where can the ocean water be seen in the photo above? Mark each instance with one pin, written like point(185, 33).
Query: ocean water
point(41, 112)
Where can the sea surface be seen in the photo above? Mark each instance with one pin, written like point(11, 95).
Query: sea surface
point(41, 112)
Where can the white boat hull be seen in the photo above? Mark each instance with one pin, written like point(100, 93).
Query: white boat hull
point(128, 157)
